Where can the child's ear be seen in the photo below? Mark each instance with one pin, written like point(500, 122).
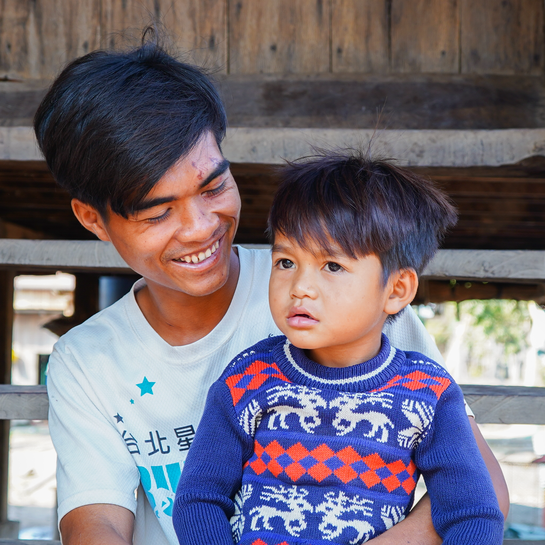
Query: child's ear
point(90, 218)
point(403, 286)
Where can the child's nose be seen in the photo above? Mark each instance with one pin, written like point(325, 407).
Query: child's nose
point(303, 287)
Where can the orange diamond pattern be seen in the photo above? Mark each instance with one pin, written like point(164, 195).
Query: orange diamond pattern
point(322, 462)
point(261, 542)
point(254, 376)
point(417, 381)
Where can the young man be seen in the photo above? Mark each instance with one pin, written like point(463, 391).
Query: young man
point(326, 429)
point(135, 138)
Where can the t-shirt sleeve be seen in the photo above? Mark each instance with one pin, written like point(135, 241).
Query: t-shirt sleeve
point(212, 474)
point(93, 463)
point(408, 333)
point(463, 502)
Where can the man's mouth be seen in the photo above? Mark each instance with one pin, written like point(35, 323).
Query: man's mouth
point(201, 256)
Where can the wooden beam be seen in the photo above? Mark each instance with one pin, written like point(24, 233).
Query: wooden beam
point(423, 148)
point(506, 404)
point(491, 404)
point(23, 402)
point(49, 542)
point(485, 265)
point(510, 266)
point(68, 255)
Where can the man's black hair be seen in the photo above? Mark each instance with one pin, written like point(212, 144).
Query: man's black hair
point(363, 206)
point(114, 122)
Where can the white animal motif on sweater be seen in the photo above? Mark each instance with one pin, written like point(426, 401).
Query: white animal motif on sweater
point(308, 399)
point(391, 514)
point(237, 520)
point(420, 415)
point(293, 516)
point(339, 504)
point(347, 418)
point(250, 417)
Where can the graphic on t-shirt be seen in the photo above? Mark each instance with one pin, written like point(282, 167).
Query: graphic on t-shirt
point(159, 481)
point(160, 486)
point(146, 387)
point(118, 418)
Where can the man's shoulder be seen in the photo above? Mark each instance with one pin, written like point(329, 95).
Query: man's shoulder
point(106, 323)
point(254, 359)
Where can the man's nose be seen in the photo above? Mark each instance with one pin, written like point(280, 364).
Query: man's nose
point(196, 223)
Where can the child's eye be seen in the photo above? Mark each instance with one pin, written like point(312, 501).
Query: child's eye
point(285, 264)
point(331, 266)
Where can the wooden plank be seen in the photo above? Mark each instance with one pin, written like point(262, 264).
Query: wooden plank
point(427, 148)
point(279, 36)
point(53, 255)
point(502, 37)
point(38, 38)
point(510, 266)
point(425, 36)
point(483, 265)
point(49, 542)
point(197, 28)
point(412, 148)
point(359, 36)
point(491, 404)
point(343, 101)
point(506, 404)
point(23, 402)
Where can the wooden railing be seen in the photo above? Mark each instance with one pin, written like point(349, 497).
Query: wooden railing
point(491, 404)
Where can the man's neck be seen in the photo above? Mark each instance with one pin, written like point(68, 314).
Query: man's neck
point(182, 319)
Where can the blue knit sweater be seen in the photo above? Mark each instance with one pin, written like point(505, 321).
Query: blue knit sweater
point(291, 452)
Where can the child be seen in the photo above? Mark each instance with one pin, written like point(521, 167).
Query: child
point(320, 436)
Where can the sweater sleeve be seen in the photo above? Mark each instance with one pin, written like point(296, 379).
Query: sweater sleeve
point(212, 474)
point(464, 507)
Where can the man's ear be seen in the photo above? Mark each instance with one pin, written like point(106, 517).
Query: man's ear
point(403, 286)
point(90, 218)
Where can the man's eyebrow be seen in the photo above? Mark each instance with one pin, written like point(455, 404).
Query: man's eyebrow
point(151, 203)
point(218, 171)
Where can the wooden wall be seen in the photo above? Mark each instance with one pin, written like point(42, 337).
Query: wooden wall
point(37, 37)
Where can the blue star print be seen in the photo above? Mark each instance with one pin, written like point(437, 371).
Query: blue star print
point(119, 418)
point(146, 387)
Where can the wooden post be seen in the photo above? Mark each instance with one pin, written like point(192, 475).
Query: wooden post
point(8, 529)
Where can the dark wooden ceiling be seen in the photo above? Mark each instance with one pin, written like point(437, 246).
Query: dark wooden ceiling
point(499, 208)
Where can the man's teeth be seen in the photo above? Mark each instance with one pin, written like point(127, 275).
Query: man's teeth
point(201, 256)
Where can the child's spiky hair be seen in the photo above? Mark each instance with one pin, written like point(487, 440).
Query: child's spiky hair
point(363, 206)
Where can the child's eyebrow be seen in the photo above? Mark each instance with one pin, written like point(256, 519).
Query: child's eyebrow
point(278, 248)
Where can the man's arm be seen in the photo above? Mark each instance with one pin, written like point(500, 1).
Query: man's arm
point(99, 524)
point(496, 474)
point(417, 528)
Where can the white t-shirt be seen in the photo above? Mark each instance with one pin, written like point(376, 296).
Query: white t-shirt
point(124, 404)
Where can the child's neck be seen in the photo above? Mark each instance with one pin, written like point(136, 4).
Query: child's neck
point(347, 355)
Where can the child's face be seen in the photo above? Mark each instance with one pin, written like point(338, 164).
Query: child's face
point(333, 306)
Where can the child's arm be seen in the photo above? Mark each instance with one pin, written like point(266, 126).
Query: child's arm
point(464, 506)
point(212, 474)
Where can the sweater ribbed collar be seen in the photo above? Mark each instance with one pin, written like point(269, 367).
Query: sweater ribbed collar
point(368, 375)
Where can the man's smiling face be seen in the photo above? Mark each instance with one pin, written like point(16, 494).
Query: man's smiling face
point(181, 236)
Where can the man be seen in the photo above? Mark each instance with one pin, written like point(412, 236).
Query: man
point(135, 138)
